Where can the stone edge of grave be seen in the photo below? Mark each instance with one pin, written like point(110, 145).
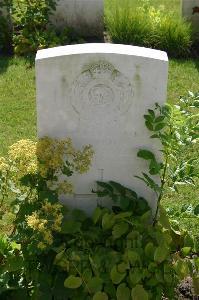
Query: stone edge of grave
point(105, 48)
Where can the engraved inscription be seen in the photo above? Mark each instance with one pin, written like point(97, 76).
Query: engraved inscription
point(101, 91)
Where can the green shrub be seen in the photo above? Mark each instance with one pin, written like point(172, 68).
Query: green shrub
point(48, 251)
point(149, 27)
point(5, 28)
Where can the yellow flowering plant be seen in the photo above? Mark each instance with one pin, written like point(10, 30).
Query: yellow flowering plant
point(32, 177)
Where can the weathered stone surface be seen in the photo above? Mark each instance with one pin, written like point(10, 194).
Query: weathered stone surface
point(190, 11)
point(85, 16)
point(97, 94)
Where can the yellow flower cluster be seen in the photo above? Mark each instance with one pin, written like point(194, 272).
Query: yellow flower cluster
point(4, 166)
point(51, 152)
point(23, 155)
point(65, 187)
point(45, 226)
point(82, 159)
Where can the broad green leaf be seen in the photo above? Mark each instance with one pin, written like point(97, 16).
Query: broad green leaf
point(149, 125)
point(161, 253)
point(119, 230)
point(123, 267)
point(149, 250)
point(135, 275)
point(95, 284)
point(163, 218)
point(73, 282)
point(186, 251)
point(182, 268)
point(145, 154)
point(139, 293)
point(133, 256)
point(118, 187)
point(196, 210)
point(108, 221)
point(100, 296)
point(159, 119)
point(159, 126)
point(123, 292)
point(124, 202)
point(116, 276)
point(97, 214)
point(105, 185)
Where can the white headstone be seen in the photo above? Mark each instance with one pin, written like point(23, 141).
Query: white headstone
point(97, 94)
point(85, 16)
point(190, 11)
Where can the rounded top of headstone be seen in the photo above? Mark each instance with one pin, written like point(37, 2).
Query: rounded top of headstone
point(97, 48)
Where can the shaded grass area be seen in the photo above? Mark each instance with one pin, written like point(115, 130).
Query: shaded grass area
point(18, 118)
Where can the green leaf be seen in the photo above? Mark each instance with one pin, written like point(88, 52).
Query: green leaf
point(135, 275)
point(163, 218)
point(196, 210)
point(161, 253)
point(73, 282)
point(71, 227)
point(116, 276)
point(97, 214)
point(149, 250)
point(118, 187)
point(159, 126)
point(159, 119)
point(133, 257)
point(122, 267)
point(186, 251)
point(95, 284)
point(149, 125)
point(123, 292)
point(108, 221)
point(151, 113)
point(139, 293)
point(124, 202)
point(181, 267)
point(145, 154)
point(105, 185)
point(100, 296)
point(119, 230)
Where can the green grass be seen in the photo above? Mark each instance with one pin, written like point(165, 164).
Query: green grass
point(169, 5)
point(17, 101)
point(138, 23)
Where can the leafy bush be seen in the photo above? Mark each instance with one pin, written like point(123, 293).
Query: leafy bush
point(48, 251)
point(149, 27)
point(32, 29)
point(5, 25)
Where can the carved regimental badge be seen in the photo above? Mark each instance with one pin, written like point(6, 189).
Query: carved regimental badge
point(101, 91)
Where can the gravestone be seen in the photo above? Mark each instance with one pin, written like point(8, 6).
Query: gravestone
point(97, 94)
point(85, 16)
point(190, 11)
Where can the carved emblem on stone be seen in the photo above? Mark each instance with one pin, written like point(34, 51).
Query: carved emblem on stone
point(101, 91)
